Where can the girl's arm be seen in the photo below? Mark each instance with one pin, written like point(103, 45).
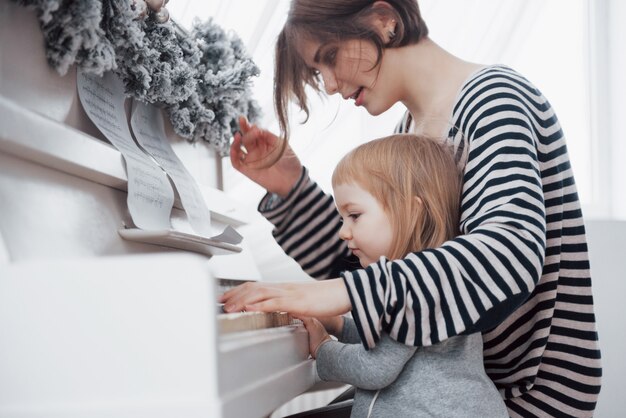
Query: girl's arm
point(341, 361)
point(366, 369)
point(349, 332)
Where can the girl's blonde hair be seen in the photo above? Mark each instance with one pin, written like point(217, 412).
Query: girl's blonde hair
point(397, 170)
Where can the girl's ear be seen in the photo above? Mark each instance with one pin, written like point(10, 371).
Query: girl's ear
point(419, 211)
point(414, 225)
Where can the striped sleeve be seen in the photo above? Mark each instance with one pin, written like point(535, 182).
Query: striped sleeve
point(306, 226)
point(473, 282)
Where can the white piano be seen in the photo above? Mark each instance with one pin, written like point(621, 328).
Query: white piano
point(93, 325)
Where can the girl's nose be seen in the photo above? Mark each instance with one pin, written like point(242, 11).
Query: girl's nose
point(344, 232)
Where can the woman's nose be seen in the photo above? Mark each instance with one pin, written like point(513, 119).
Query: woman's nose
point(330, 82)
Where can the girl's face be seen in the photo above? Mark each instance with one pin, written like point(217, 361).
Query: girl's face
point(366, 226)
point(347, 68)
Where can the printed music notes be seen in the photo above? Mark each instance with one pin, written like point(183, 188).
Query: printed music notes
point(147, 124)
point(149, 163)
point(150, 195)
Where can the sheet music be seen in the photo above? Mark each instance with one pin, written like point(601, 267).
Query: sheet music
point(148, 127)
point(147, 124)
point(150, 195)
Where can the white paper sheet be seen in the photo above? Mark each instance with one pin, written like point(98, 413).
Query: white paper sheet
point(148, 127)
point(150, 195)
point(147, 124)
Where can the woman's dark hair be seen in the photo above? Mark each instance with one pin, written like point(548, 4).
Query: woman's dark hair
point(333, 21)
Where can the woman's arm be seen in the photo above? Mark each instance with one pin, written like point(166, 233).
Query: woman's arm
point(264, 158)
point(469, 284)
point(306, 226)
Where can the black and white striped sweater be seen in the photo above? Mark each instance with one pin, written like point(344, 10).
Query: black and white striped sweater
point(519, 273)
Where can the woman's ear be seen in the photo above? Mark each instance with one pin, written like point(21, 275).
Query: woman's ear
point(383, 20)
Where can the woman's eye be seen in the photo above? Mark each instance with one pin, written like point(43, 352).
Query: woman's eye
point(330, 56)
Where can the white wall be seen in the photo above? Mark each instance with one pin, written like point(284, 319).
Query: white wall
point(607, 239)
point(607, 249)
point(617, 106)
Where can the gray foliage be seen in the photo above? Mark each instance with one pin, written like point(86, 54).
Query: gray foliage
point(201, 79)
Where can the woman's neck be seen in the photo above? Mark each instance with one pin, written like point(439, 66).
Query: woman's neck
point(431, 78)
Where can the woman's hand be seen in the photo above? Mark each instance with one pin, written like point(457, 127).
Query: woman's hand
point(320, 299)
point(254, 149)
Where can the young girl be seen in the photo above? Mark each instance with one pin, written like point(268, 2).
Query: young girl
point(398, 195)
point(519, 270)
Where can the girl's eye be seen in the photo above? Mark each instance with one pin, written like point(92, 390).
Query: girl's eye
point(354, 216)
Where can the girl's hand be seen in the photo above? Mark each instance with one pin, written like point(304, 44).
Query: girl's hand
point(252, 151)
point(317, 298)
point(317, 334)
point(333, 324)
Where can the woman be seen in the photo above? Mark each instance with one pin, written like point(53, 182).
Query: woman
point(519, 273)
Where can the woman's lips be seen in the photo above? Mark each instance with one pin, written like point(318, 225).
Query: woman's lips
point(359, 98)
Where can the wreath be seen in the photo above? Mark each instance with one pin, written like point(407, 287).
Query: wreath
point(200, 78)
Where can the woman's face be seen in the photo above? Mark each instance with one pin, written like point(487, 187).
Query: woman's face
point(347, 68)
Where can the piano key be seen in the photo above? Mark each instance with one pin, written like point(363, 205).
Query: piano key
point(250, 321)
